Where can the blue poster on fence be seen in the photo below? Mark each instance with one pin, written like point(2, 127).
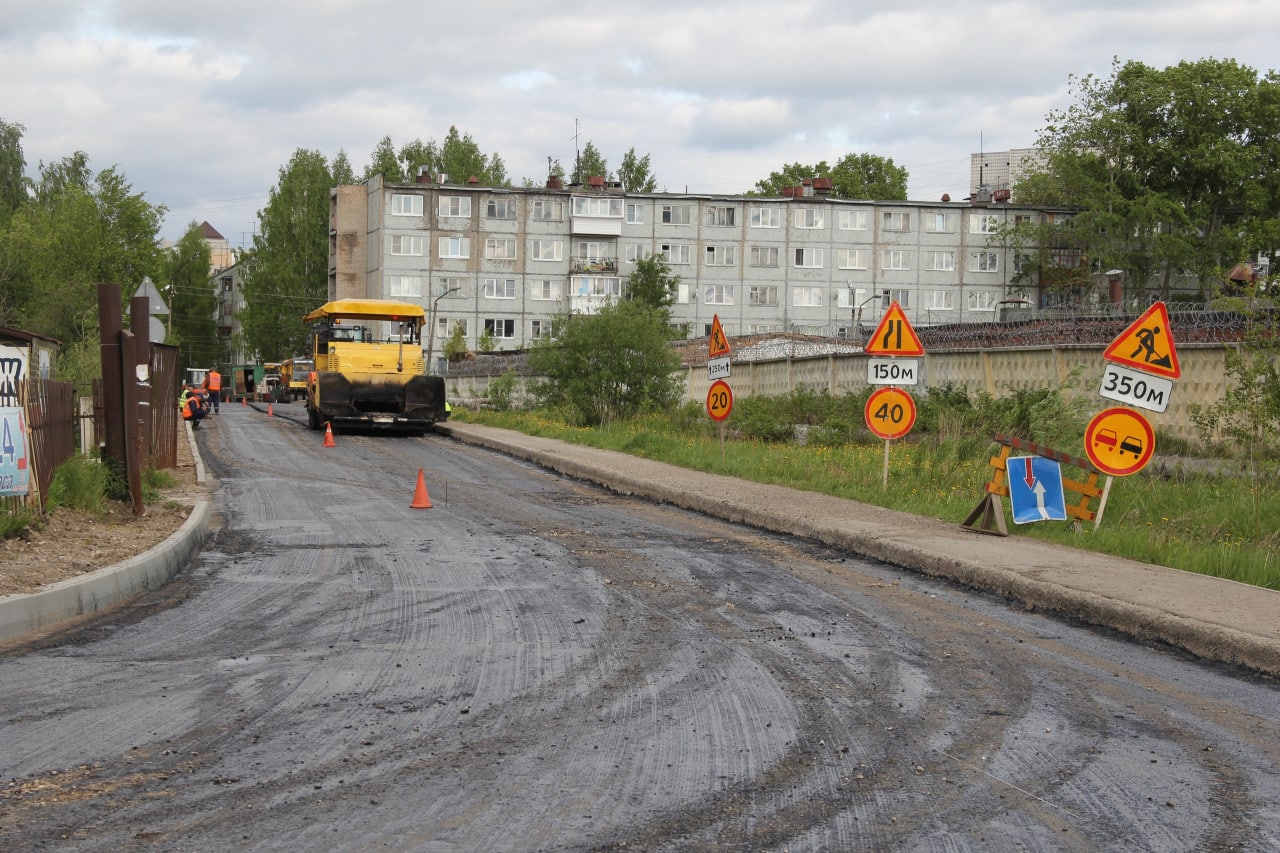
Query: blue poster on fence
point(1035, 489)
point(15, 473)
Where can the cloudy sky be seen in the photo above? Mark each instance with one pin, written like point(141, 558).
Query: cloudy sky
point(201, 104)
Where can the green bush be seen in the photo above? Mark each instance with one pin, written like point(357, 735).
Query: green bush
point(81, 484)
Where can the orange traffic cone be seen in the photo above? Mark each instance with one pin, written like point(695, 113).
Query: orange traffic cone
point(328, 436)
point(270, 411)
point(420, 498)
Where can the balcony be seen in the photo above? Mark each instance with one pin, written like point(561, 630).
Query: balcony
point(596, 266)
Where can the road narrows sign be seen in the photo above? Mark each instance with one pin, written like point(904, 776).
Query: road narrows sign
point(1147, 344)
point(890, 413)
point(894, 335)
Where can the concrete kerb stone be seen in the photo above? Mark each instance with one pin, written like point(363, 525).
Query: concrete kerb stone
point(927, 546)
point(111, 585)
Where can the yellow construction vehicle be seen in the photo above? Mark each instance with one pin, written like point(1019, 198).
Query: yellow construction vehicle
point(368, 368)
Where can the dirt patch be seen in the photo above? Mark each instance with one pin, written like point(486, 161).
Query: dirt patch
point(68, 543)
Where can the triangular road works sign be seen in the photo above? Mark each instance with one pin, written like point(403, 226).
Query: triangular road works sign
point(894, 335)
point(1147, 344)
point(719, 344)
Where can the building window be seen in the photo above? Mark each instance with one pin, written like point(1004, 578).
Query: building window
point(810, 258)
point(500, 288)
point(445, 326)
point(940, 223)
point(902, 297)
point(546, 210)
point(764, 256)
point(940, 261)
point(685, 294)
point(407, 244)
point(634, 252)
point(675, 253)
point(1022, 219)
point(853, 220)
point(850, 298)
point(806, 297)
point(455, 205)
point(543, 290)
point(718, 294)
point(455, 247)
point(980, 300)
point(808, 218)
point(597, 206)
point(983, 223)
point(500, 328)
point(500, 248)
point(897, 221)
point(721, 216)
point(942, 300)
point(984, 262)
point(500, 208)
point(634, 214)
point(1023, 263)
point(676, 214)
point(851, 259)
point(766, 217)
point(404, 285)
point(546, 250)
point(227, 285)
point(762, 296)
point(721, 256)
point(539, 328)
point(406, 205)
point(895, 259)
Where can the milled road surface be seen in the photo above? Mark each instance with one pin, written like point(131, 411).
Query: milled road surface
point(537, 664)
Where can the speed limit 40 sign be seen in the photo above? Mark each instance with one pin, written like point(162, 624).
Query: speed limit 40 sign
point(890, 413)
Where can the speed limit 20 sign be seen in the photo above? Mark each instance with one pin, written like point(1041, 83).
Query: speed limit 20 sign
point(890, 413)
point(719, 400)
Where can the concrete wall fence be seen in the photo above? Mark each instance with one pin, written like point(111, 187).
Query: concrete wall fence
point(1076, 369)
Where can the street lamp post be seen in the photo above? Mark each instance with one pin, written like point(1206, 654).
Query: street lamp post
point(431, 329)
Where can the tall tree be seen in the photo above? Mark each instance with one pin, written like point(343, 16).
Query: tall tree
point(854, 176)
point(342, 171)
point(286, 275)
point(635, 175)
point(458, 156)
point(192, 301)
point(13, 165)
point(1170, 169)
point(461, 159)
point(385, 162)
point(651, 284)
point(590, 163)
point(609, 365)
point(76, 230)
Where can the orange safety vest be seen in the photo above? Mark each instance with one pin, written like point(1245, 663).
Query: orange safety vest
point(194, 404)
point(213, 380)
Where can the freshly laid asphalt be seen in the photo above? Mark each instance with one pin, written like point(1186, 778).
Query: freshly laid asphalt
point(1211, 618)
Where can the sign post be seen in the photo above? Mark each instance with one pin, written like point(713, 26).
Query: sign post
point(891, 412)
point(719, 395)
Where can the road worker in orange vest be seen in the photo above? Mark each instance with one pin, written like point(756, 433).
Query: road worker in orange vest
point(213, 384)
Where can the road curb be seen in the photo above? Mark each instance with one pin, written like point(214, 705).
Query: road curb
point(89, 593)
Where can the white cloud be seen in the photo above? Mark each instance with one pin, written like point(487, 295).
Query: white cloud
point(200, 105)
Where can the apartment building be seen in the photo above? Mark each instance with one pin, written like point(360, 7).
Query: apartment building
point(507, 260)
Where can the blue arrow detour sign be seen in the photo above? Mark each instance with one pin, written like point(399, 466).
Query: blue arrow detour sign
point(1035, 489)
